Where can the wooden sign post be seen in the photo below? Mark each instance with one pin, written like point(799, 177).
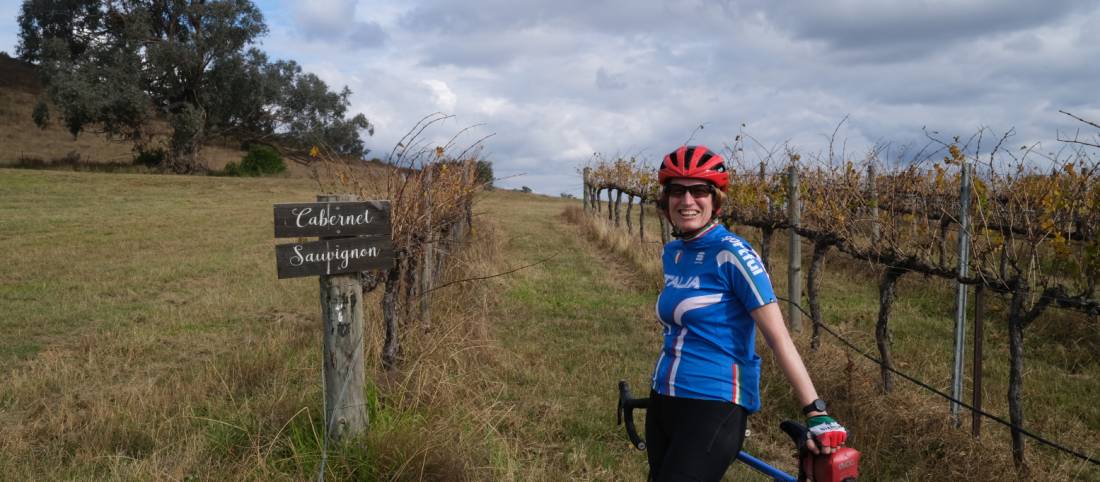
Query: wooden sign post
point(338, 257)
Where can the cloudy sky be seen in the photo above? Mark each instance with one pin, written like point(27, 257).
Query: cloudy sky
point(555, 81)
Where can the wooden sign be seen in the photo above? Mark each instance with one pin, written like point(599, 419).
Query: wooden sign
point(333, 256)
point(329, 219)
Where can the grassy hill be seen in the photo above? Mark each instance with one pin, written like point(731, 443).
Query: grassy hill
point(22, 140)
point(146, 337)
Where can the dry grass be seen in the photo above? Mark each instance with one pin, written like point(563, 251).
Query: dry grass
point(148, 339)
point(23, 143)
point(21, 140)
point(643, 257)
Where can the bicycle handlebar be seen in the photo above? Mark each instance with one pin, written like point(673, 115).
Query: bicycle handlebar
point(846, 460)
point(797, 432)
point(627, 404)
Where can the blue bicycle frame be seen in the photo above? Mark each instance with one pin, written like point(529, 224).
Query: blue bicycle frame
point(764, 468)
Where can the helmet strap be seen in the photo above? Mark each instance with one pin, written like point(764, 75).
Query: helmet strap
point(676, 233)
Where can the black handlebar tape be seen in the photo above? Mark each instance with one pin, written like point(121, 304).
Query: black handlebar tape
point(625, 411)
point(797, 432)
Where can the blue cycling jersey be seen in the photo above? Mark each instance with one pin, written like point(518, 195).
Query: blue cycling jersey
point(712, 282)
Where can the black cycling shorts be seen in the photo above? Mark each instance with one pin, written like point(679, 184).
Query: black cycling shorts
point(692, 440)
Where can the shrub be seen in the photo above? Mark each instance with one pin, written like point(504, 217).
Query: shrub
point(41, 114)
point(260, 161)
point(149, 158)
point(263, 160)
point(231, 169)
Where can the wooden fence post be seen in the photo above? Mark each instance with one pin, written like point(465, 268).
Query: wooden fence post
point(427, 262)
point(342, 312)
point(794, 270)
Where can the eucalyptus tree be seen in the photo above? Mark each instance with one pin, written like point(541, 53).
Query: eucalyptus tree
point(116, 65)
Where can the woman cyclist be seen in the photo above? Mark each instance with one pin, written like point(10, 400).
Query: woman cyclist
point(716, 293)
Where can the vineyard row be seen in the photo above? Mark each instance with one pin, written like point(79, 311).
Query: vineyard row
point(1031, 237)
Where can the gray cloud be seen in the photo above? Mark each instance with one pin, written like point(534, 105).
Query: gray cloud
point(618, 17)
point(556, 81)
point(877, 30)
point(605, 81)
point(366, 34)
point(335, 21)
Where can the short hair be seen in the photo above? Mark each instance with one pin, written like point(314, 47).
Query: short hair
point(718, 197)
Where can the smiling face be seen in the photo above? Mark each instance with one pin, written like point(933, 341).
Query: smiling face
point(690, 204)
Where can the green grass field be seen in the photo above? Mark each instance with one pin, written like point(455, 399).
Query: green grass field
point(146, 337)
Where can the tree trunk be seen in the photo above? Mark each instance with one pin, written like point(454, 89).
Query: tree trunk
point(818, 259)
point(629, 208)
point(609, 203)
point(1016, 374)
point(618, 202)
point(584, 188)
point(1019, 317)
point(886, 291)
point(641, 219)
point(188, 134)
point(944, 223)
point(410, 267)
point(766, 246)
point(979, 337)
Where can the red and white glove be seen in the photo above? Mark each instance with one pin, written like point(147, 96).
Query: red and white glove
point(826, 431)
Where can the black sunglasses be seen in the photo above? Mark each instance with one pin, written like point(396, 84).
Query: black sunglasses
point(697, 190)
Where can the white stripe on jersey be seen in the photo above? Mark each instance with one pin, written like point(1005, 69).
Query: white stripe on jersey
point(656, 368)
point(692, 303)
point(728, 257)
point(657, 308)
point(676, 361)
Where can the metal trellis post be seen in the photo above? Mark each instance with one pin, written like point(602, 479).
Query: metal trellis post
point(960, 298)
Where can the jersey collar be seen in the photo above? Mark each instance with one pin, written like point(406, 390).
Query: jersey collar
point(701, 232)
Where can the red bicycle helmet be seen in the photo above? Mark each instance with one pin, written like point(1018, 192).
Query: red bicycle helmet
point(694, 162)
